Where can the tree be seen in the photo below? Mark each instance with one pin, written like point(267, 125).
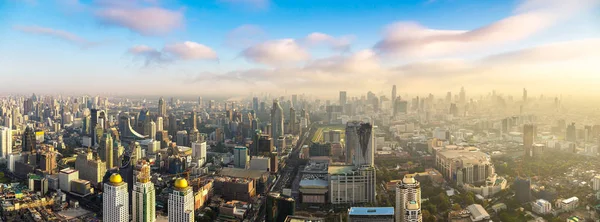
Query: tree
point(456, 207)
point(428, 217)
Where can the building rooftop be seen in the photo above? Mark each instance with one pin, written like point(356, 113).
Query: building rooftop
point(371, 211)
point(68, 170)
point(346, 169)
point(569, 200)
point(242, 173)
point(467, 155)
point(314, 183)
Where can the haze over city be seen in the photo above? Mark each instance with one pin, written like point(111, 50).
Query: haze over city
point(232, 47)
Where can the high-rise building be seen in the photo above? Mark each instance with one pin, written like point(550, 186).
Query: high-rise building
point(522, 190)
point(393, 94)
point(92, 169)
point(162, 107)
point(255, 104)
point(350, 185)
point(143, 197)
point(524, 95)
point(276, 120)
point(360, 143)
point(463, 96)
point(199, 151)
point(106, 150)
point(150, 129)
point(408, 200)
point(371, 214)
point(5, 142)
point(97, 122)
point(343, 98)
point(279, 207)
point(293, 121)
point(28, 140)
point(571, 133)
point(240, 157)
point(115, 203)
point(528, 139)
point(181, 202)
point(596, 183)
point(159, 124)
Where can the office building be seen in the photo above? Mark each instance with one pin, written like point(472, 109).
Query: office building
point(38, 183)
point(541, 206)
point(393, 94)
point(360, 144)
point(5, 142)
point(371, 214)
point(276, 120)
point(350, 185)
point(408, 200)
point(162, 107)
point(199, 151)
point(182, 138)
point(568, 204)
point(260, 163)
point(115, 200)
point(28, 140)
point(181, 202)
point(522, 190)
point(144, 197)
point(65, 176)
point(240, 157)
point(279, 207)
point(231, 188)
point(98, 120)
point(105, 151)
point(343, 98)
point(528, 139)
point(150, 129)
point(464, 165)
point(91, 169)
point(571, 133)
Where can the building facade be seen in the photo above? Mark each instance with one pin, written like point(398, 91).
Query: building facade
point(181, 202)
point(408, 200)
point(115, 205)
point(144, 197)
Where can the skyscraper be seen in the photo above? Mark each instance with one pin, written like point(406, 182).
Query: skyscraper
point(463, 95)
point(162, 107)
point(293, 129)
point(106, 150)
point(181, 202)
point(528, 139)
point(360, 142)
point(98, 121)
point(5, 142)
point(115, 204)
point(408, 200)
point(393, 94)
point(343, 98)
point(240, 157)
point(276, 120)
point(143, 197)
point(150, 129)
point(255, 104)
point(524, 95)
point(28, 140)
point(571, 133)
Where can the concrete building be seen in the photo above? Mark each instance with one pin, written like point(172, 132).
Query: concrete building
point(199, 151)
point(528, 139)
point(115, 200)
point(260, 163)
point(144, 197)
point(478, 213)
point(569, 204)
point(240, 157)
point(92, 169)
point(181, 202)
point(65, 176)
point(408, 200)
point(371, 214)
point(81, 187)
point(464, 165)
point(5, 142)
point(541, 206)
point(277, 129)
point(596, 183)
point(234, 188)
point(360, 147)
point(349, 185)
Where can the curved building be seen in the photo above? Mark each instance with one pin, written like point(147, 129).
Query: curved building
point(128, 134)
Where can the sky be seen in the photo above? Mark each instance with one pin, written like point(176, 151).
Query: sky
point(316, 47)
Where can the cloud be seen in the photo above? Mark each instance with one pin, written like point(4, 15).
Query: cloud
point(138, 17)
point(364, 61)
point(190, 50)
point(259, 4)
point(276, 52)
point(171, 52)
point(338, 44)
point(60, 34)
point(410, 39)
point(245, 36)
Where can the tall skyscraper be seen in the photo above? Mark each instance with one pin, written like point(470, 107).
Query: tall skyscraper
point(293, 121)
point(181, 202)
point(159, 124)
point(360, 143)
point(463, 95)
point(276, 120)
point(106, 151)
point(343, 98)
point(524, 95)
point(255, 104)
point(98, 121)
point(5, 142)
point(28, 140)
point(240, 157)
point(408, 200)
point(150, 129)
point(571, 133)
point(115, 204)
point(162, 107)
point(393, 94)
point(92, 169)
point(143, 197)
point(528, 139)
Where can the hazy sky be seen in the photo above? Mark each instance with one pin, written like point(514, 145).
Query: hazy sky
point(153, 47)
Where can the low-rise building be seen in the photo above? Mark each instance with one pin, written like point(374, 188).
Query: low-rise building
point(371, 214)
point(478, 213)
point(541, 206)
point(568, 204)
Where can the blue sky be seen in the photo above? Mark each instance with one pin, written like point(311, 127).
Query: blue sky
point(151, 47)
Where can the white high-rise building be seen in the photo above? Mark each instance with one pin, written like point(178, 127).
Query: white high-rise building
point(181, 202)
point(115, 205)
point(408, 200)
point(596, 183)
point(159, 123)
point(199, 151)
point(360, 144)
point(143, 197)
point(5, 142)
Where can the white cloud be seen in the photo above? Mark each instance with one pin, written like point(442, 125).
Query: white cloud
point(339, 44)
point(60, 34)
point(409, 39)
point(171, 52)
point(276, 52)
point(245, 36)
point(137, 17)
point(364, 61)
point(190, 50)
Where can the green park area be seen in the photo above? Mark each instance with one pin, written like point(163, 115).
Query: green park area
point(318, 135)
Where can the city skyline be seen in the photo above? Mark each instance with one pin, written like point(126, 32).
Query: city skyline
point(232, 47)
